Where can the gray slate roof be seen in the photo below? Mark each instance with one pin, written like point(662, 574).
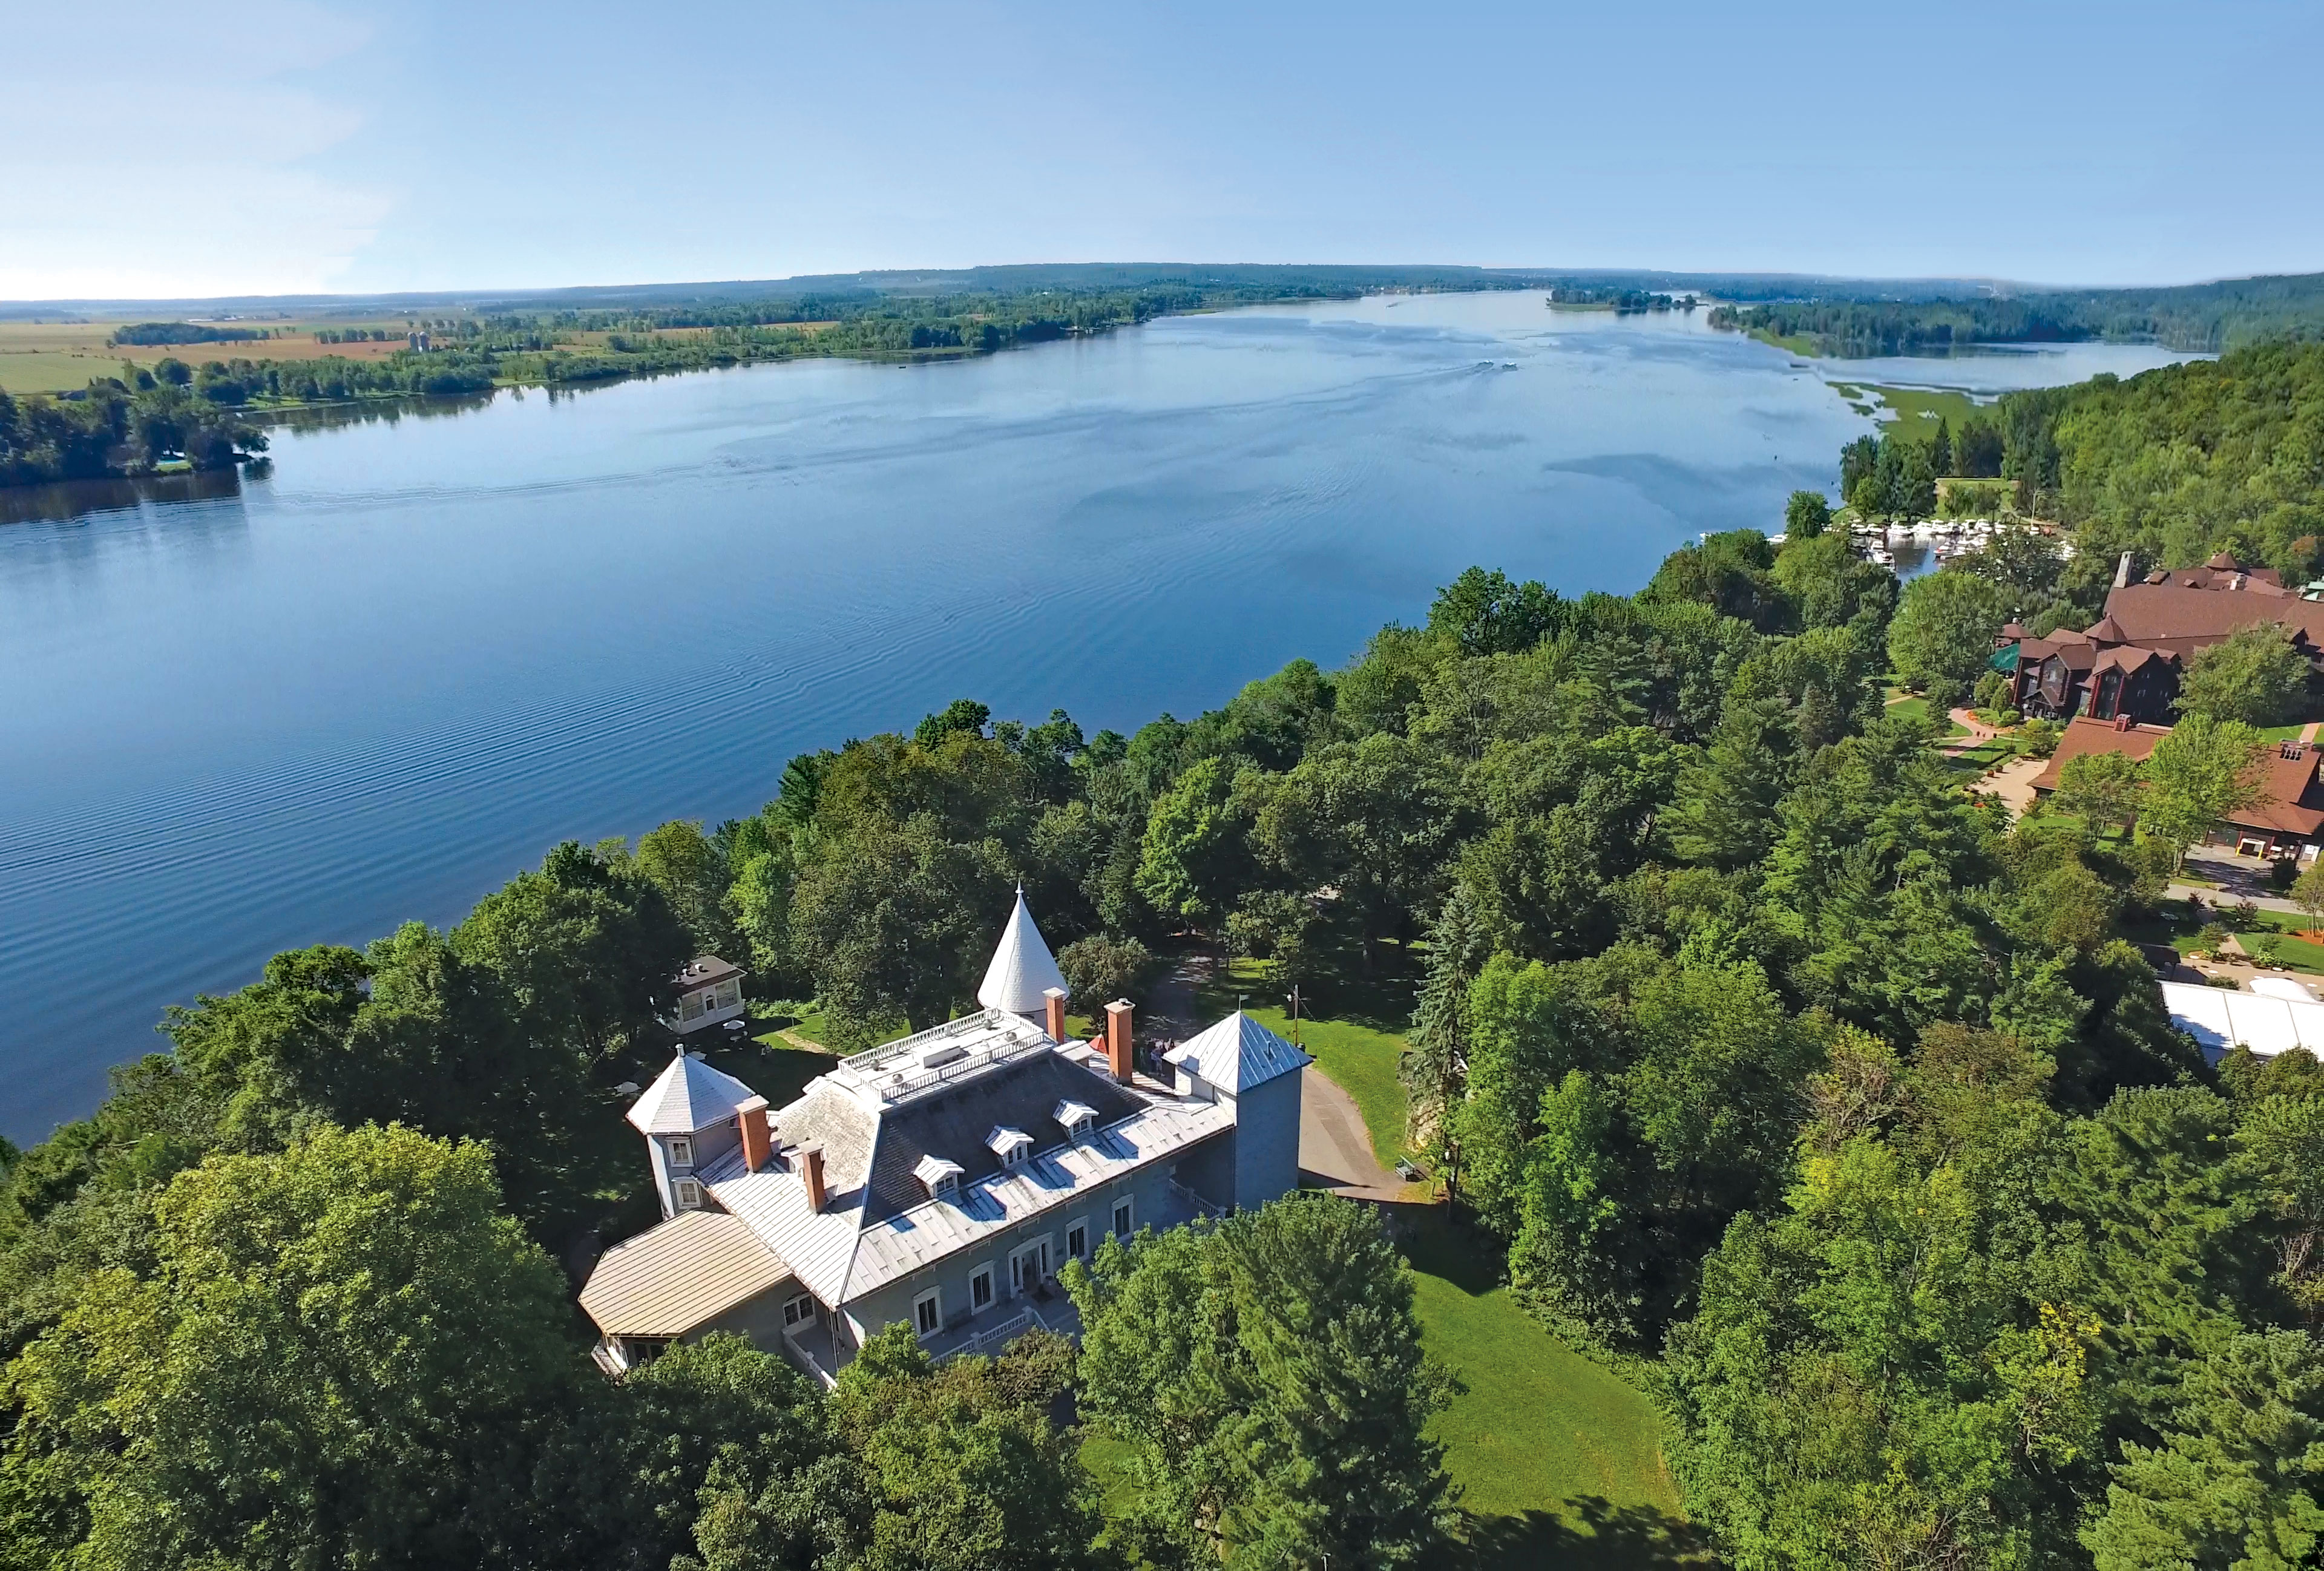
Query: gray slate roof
point(954, 1124)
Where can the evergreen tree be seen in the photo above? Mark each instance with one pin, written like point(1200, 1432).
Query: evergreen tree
point(1435, 1063)
point(1268, 1375)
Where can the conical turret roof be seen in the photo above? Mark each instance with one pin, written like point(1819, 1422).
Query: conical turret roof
point(1022, 970)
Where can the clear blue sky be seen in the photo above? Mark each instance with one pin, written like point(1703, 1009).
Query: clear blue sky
point(158, 147)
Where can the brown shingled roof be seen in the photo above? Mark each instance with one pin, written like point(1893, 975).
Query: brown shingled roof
point(2167, 613)
point(2085, 735)
point(2295, 802)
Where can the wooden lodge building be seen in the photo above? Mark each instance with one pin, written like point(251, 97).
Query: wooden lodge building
point(2127, 664)
point(2287, 821)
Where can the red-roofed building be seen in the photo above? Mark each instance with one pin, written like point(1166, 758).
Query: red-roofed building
point(2129, 661)
point(2288, 820)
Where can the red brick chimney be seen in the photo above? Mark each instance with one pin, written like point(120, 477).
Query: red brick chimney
point(758, 1140)
point(1117, 1040)
point(810, 1170)
point(1055, 999)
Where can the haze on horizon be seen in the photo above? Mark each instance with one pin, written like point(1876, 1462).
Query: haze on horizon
point(290, 146)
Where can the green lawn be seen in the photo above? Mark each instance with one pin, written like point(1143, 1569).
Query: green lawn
point(1544, 1444)
point(1988, 755)
point(1559, 1462)
point(1361, 1059)
point(1796, 342)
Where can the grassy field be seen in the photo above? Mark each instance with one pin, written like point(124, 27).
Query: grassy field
point(1550, 1450)
point(1911, 707)
point(1987, 756)
point(774, 1069)
point(1559, 1462)
point(62, 356)
point(1796, 343)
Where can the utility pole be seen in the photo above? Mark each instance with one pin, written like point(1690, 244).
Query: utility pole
point(1295, 1018)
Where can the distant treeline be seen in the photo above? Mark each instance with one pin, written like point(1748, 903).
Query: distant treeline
point(2204, 318)
point(149, 333)
point(1624, 301)
point(91, 433)
point(2170, 466)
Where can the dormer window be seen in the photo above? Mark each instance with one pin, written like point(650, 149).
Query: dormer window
point(681, 1151)
point(1012, 1146)
point(940, 1177)
point(1078, 1118)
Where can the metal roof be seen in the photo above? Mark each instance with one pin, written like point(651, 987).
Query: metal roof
point(2220, 1020)
point(1055, 1180)
point(671, 1279)
point(686, 1097)
point(1022, 968)
point(1237, 1054)
point(878, 1221)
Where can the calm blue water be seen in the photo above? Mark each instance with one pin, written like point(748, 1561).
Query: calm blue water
point(377, 683)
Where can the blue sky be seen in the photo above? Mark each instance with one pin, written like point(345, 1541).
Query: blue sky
point(165, 148)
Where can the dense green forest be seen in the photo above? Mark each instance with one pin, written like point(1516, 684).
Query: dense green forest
point(2204, 318)
point(2171, 466)
point(1833, 1106)
point(1622, 301)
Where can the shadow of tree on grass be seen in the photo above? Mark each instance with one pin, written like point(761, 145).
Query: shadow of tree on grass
point(1591, 1534)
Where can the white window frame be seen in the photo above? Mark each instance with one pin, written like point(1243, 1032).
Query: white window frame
point(983, 1274)
point(687, 1194)
point(798, 1310)
point(1037, 1250)
point(1125, 1203)
point(681, 1151)
point(1078, 1224)
point(932, 1302)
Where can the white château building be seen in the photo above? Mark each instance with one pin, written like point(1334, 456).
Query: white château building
point(942, 1180)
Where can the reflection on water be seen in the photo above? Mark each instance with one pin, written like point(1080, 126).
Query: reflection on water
point(1989, 370)
point(375, 682)
point(71, 499)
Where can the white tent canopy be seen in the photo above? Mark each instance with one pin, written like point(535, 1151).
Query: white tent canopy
point(1022, 970)
point(2220, 1019)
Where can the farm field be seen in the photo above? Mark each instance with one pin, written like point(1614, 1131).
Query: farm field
point(62, 356)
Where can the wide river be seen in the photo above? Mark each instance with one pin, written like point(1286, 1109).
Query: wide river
point(374, 684)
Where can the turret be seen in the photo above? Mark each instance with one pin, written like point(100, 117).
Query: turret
point(1023, 971)
point(692, 1117)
